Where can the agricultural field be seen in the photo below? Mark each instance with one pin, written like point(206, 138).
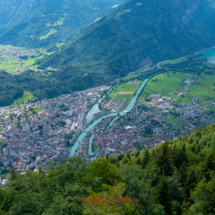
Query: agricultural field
point(11, 58)
point(10, 65)
point(164, 84)
point(127, 87)
point(206, 91)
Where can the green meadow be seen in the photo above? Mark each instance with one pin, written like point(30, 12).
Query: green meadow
point(183, 99)
point(177, 127)
point(141, 100)
point(13, 47)
point(37, 110)
point(4, 56)
point(208, 105)
point(175, 61)
point(130, 77)
point(171, 120)
point(127, 87)
point(60, 44)
point(29, 62)
point(9, 65)
point(205, 92)
point(165, 84)
point(52, 31)
point(170, 84)
point(26, 96)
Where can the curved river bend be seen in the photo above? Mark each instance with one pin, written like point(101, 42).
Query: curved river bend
point(209, 54)
point(96, 122)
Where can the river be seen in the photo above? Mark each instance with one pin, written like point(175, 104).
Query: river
point(95, 109)
point(209, 54)
point(96, 122)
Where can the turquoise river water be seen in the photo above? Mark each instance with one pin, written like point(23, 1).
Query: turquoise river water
point(209, 54)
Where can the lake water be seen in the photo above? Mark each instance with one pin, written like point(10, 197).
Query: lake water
point(210, 55)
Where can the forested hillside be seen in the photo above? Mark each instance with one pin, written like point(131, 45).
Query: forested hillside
point(38, 23)
point(136, 34)
point(177, 177)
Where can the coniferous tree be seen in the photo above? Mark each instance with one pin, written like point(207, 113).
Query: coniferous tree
point(13, 173)
point(162, 195)
point(145, 159)
point(164, 160)
point(197, 149)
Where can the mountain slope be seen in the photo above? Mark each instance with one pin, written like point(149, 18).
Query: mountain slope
point(37, 23)
point(138, 33)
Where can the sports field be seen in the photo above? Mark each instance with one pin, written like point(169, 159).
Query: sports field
point(171, 120)
point(177, 127)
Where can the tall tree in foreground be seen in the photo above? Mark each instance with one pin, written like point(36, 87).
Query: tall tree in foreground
point(162, 195)
point(164, 160)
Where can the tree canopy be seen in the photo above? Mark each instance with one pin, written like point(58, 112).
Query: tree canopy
point(172, 178)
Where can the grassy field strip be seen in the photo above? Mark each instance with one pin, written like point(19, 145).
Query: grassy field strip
point(52, 31)
point(171, 120)
point(126, 88)
point(27, 95)
point(130, 77)
point(164, 84)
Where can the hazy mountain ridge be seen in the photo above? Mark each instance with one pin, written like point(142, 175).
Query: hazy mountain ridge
point(24, 22)
point(139, 33)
